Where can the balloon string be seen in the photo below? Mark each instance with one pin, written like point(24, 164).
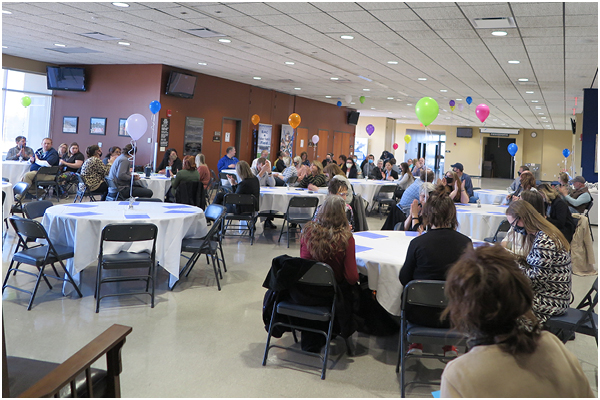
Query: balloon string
point(133, 147)
point(152, 136)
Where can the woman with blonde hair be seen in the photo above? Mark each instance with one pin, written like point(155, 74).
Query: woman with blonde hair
point(546, 260)
point(333, 171)
point(249, 185)
point(557, 211)
point(315, 177)
point(203, 170)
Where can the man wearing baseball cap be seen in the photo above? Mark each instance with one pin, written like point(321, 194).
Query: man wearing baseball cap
point(466, 181)
point(579, 198)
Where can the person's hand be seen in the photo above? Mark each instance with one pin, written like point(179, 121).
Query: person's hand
point(563, 190)
point(136, 177)
point(313, 187)
point(442, 181)
point(32, 159)
point(264, 168)
point(414, 209)
point(231, 166)
point(515, 198)
point(455, 185)
point(61, 162)
point(232, 180)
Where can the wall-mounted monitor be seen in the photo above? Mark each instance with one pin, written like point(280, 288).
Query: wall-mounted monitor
point(66, 78)
point(464, 132)
point(181, 85)
point(353, 117)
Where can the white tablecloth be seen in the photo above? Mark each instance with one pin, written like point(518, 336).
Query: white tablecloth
point(492, 196)
point(369, 188)
point(479, 223)
point(380, 256)
point(594, 211)
point(80, 225)
point(14, 170)
point(278, 197)
point(7, 188)
point(159, 184)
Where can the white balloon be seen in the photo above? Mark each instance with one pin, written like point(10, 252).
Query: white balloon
point(348, 99)
point(136, 126)
point(315, 139)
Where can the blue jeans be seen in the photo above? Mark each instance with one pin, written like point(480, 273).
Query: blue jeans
point(473, 199)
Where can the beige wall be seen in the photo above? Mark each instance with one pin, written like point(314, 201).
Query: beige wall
point(23, 64)
point(377, 139)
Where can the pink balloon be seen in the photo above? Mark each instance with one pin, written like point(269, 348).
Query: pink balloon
point(482, 111)
point(315, 139)
point(395, 146)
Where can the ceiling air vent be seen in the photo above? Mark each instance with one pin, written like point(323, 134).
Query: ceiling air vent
point(203, 32)
point(71, 50)
point(99, 36)
point(494, 23)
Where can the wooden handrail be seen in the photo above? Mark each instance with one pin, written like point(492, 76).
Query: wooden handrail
point(108, 342)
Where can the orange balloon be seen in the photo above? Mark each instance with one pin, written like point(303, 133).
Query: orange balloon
point(294, 120)
point(255, 119)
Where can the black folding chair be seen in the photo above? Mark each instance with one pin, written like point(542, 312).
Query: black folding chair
point(208, 245)
point(383, 198)
point(113, 190)
point(426, 293)
point(501, 232)
point(213, 215)
point(83, 190)
point(245, 206)
point(149, 199)
point(38, 257)
point(292, 315)
point(41, 180)
point(125, 260)
point(582, 319)
point(586, 212)
point(300, 210)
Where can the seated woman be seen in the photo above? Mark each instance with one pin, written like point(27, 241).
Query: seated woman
point(342, 163)
point(315, 177)
point(557, 211)
point(527, 183)
point(302, 169)
point(304, 157)
point(429, 256)
point(203, 170)
point(454, 188)
point(406, 177)
point(93, 171)
point(390, 174)
point(415, 222)
point(170, 159)
point(248, 185)
point(187, 174)
point(112, 155)
point(351, 171)
point(337, 187)
point(536, 199)
point(546, 259)
point(328, 239)
point(490, 300)
point(290, 171)
point(333, 171)
point(70, 164)
point(63, 151)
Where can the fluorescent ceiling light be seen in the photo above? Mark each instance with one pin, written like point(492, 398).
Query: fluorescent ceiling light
point(538, 107)
point(334, 79)
point(373, 108)
point(60, 45)
point(514, 62)
point(367, 90)
point(535, 101)
point(353, 103)
point(499, 33)
point(390, 98)
point(540, 113)
point(523, 80)
point(443, 90)
point(393, 62)
point(224, 40)
point(5, 47)
point(202, 63)
point(327, 97)
point(458, 99)
point(422, 79)
point(297, 88)
point(8, 12)
point(125, 5)
point(409, 104)
point(257, 78)
point(289, 63)
point(347, 37)
point(124, 44)
point(529, 92)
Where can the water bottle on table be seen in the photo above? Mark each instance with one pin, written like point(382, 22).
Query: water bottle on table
point(168, 172)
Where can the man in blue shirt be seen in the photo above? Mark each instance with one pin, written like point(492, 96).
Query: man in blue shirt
point(466, 181)
point(43, 155)
point(412, 192)
point(228, 161)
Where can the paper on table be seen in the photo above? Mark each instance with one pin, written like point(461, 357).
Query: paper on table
point(42, 163)
point(84, 214)
point(177, 206)
point(126, 203)
point(180, 212)
point(370, 235)
point(137, 216)
point(411, 233)
point(81, 205)
point(496, 212)
point(358, 248)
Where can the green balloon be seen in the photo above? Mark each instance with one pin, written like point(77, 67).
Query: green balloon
point(427, 110)
point(362, 99)
point(26, 100)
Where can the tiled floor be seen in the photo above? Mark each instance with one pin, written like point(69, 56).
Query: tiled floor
point(199, 342)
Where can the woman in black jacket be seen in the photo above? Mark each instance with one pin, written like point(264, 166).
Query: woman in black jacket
point(171, 159)
point(249, 185)
point(558, 212)
point(351, 171)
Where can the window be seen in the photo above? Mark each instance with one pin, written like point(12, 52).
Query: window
point(33, 121)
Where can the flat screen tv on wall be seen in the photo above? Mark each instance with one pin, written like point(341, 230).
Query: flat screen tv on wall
point(181, 85)
point(66, 78)
point(464, 132)
point(353, 117)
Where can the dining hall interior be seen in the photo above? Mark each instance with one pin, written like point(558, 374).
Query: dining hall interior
point(512, 85)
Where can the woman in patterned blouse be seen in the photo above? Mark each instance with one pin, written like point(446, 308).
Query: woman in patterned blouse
point(547, 261)
point(93, 171)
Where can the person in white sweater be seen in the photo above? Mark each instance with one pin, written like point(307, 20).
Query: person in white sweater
point(406, 177)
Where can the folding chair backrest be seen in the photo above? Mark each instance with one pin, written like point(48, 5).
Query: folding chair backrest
point(20, 188)
point(303, 202)
point(129, 232)
point(426, 293)
point(588, 207)
point(502, 228)
point(320, 274)
point(387, 189)
point(214, 212)
point(216, 226)
point(240, 199)
point(28, 228)
point(36, 209)
point(80, 179)
point(149, 199)
point(111, 184)
point(48, 171)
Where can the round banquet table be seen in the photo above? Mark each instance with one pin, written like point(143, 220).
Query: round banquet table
point(15, 170)
point(368, 189)
point(80, 225)
point(492, 196)
point(8, 202)
point(380, 256)
point(159, 184)
point(278, 197)
point(594, 211)
point(479, 222)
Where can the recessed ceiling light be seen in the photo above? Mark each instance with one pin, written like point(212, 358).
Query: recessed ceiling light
point(538, 107)
point(422, 79)
point(290, 63)
point(535, 101)
point(327, 97)
point(390, 98)
point(6, 12)
point(202, 63)
point(347, 37)
point(409, 104)
point(297, 88)
point(499, 33)
point(353, 103)
point(458, 99)
point(60, 45)
point(334, 79)
point(443, 90)
point(372, 108)
point(540, 113)
point(367, 90)
point(523, 80)
point(529, 92)
point(124, 44)
point(393, 62)
point(120, 4)
point(257, 78)
point(224, 40)
point(514, 62)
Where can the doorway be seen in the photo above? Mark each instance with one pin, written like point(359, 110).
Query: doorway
point(496, 154)
point(230, 136)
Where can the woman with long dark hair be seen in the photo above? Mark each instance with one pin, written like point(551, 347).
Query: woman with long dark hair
point(351, 171)
point(490, 300)
point(170, 159)
point(113, 153)
point(406, 178)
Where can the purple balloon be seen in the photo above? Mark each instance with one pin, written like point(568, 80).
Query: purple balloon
point(452, 103)
point(370, 129)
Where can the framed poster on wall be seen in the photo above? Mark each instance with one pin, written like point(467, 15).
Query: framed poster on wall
point(264, 139)
point(287, 137)
point(165, 126)
point(193, 134)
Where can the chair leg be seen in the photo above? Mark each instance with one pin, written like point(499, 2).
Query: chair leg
point(7, 276)
point(288, 234)
point(222, 255)
point(153, 274)
point(327, 345)
point(98, 286)
point(591, 233)
point(281, 233)
point(269, 334)
point(37, 284)
point(216, 273)
point(70, 278)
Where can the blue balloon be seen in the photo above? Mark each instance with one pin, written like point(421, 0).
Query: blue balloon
point(469, 100)
point(339, 103)
point(566, 153)
point(512, 149)
point(155, 106)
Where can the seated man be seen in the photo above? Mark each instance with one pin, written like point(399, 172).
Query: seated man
point(368, 165)
point(120, 173)
point(517, 182)
point(228, 161)
point(290, 171)
point(466, 181)
point(377, 173)
point(263, 154)
point(316, 176)
point(263, 172)
point(43, 157)
point(579, 198)
point(20, 151)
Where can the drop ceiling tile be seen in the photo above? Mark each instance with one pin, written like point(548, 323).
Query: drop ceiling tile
point(337, 7)
point(541, 32)
point(396, 15)
point(581, 8)
point(475, 10)
point(581, 32)
point(254, 9)
point(441, 13)
point(536, 9)
point(276, 19)
point(582, 20)
point(217, 10)
point(539, 22)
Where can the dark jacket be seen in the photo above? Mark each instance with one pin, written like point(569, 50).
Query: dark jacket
point(51, 156)
point(353, 172)
point(177, 165)
point(248, 186)
point(560, 216)
point(376, 174)
point(191, 193)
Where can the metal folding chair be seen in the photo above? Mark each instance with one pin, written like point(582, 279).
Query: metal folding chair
point(300, 210)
